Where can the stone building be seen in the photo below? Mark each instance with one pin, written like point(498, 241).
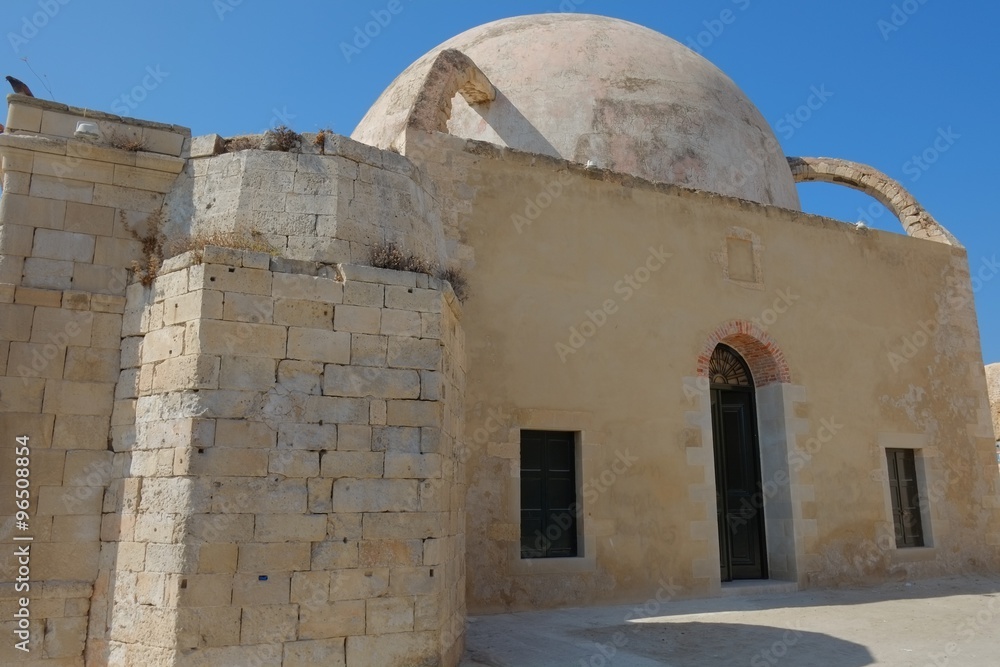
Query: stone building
point(665, 377)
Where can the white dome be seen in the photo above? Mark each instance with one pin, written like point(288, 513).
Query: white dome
point(592, 88)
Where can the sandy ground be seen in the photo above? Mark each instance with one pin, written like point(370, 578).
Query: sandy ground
point(953, 621)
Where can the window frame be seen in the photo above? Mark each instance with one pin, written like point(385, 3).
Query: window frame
point(548, 475)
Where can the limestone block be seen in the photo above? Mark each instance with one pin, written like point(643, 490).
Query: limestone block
point(294, 463)
point(85, 364)
point(357, 319)
point(67, 561)
point(270, 495)
point(364, 294)
point(17, 160)
point(187, 372)
point(49, 274)
point(336, 409)
point(142, 178)
point(106, 331)
point(242, 433)
point(207, 304)
point(226, 462)
point(432, 385)
point(376, 412)
point(368, 350)
point(230, 279)
point(413, 413)
point(388, 615)
point(290, 528)
point(396, 439)
point(269, 624)
point(313, 437)
point(354, 438)
point(332, 347)
point(161, 163)
point(24, 117)
point(76, 528)
point(166, 343)
point(355, 381)
point(230, 338)
point(170, 285)
point(307, 288)
point(219, 559)
point(320, 495)
point(301, 376)
point(228, 528)
point(119, 253)
point(335, 619)
point(206, 145)
point(33, 210)
point(78, 398)
point(100, 279)
point(335, 555)
point(404, 526)
point(300, 313)
point(375, 495)
point(21, 394)
point(358, 584)
point(207, 590)
point(15, 322)
point(16, 182)
point(16, 239)
point(281, 557)
point(394, 650)
point(53, 187)
point(11, 269)
point(36, 360)
point(344, 525)
point(414, 353)
point(89, 219)
point(69, 246)
point(430, 325)
point(88, 468)
point(400, 323)
point(162, 141)
point(108, 304)
point(247, 373)
point(65, 637)
point(248, 589)
point(248, 308)
point(406, 298)
point(353, 465)
point(76, 168)
point(307, 653)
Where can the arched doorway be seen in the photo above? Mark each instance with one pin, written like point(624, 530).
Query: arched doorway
point(738, 488)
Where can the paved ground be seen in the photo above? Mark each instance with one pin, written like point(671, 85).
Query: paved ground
point(953, 622)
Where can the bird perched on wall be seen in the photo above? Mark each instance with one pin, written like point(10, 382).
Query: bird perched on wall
point(19, 86)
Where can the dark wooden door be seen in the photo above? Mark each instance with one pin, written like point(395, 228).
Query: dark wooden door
point(738, 485)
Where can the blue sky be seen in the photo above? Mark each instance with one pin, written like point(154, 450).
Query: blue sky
point(899, 74)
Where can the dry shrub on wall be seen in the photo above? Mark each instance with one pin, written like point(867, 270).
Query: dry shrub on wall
point(391, 256)
point(126, 142)
point(156, 248)
point(241, 143)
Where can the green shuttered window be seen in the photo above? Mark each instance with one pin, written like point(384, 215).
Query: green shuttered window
point(548, 494)
point(905, 498)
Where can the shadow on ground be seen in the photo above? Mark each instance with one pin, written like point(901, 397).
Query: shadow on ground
point(680, 644)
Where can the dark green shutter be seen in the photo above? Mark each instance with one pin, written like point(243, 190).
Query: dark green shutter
point(905, 498)
point(548, 494)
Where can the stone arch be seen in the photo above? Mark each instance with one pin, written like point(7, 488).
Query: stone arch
point(766, 361)
point(916, 221)
point(452, 73)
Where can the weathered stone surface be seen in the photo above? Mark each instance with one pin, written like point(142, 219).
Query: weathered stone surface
point(993, 383)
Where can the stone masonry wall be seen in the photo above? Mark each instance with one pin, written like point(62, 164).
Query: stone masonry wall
point(330, 207)
point(63, 252)
point(289, 432)
point(993, 383)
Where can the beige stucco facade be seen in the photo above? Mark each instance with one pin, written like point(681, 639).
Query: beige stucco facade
point(993, 380)
point(294, 458)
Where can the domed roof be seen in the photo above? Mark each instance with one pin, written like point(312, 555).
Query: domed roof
point(592, 88)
